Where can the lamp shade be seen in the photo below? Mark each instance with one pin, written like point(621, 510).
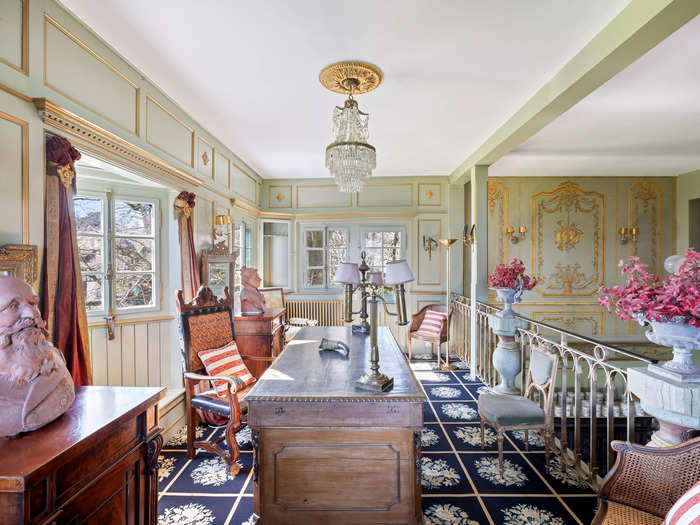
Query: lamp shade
point(398, 272)
point(347, 273)
point(376, 278)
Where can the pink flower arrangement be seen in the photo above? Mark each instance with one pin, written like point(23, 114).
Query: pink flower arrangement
point(507, 275)
point(645, 296)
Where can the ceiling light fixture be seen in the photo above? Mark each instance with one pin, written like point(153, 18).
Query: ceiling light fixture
point(350, 158)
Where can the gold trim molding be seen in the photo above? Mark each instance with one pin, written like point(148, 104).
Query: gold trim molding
point(420, 202)
point(333, 76)
point(24, 127)
point(62, 119)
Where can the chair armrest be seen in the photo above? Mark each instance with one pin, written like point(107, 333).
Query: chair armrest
point(235, 383)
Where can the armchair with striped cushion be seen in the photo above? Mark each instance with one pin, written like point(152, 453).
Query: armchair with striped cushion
point(216, 379)
point(430, 325)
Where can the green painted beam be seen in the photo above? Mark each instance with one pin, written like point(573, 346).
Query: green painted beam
point(639, 27)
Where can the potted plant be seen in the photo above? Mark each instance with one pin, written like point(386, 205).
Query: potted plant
point(671, 307)
point(509, 281)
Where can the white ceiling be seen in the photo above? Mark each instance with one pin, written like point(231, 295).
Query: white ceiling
point(644, 121)
point(455, 70)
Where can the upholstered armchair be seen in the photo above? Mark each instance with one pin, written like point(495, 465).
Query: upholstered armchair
point(417, 319)
point(507, 412)
point(645, 482)
point(206, 323)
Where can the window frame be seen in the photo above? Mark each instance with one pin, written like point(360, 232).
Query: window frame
point(383, 228)
point(109, 266)
point(303, 249)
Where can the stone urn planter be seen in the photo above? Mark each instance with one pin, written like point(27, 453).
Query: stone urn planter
point(506, 356)
point(684, 338)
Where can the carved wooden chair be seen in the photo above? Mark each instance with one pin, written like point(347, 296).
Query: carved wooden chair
point(507, 412)
point(645, 482)
point(417, 319)
point(207, 323)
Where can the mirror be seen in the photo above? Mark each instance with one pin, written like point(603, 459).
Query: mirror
point(218, 271)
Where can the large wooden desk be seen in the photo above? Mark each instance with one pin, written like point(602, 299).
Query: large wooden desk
point(97, 463)
point(328, 452)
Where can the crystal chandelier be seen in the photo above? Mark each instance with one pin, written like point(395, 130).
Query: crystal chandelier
point(350, 158)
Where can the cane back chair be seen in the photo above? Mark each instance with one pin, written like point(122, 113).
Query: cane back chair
point(645, 482)
point(417, 320)
point(508, 412)
point(207, 323)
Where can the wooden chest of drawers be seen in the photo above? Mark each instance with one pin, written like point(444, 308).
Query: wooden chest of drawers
point(260, 338)
point(97, 463)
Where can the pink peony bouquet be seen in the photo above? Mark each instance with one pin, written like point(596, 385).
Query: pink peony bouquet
point(644, 296)
point(507, 275)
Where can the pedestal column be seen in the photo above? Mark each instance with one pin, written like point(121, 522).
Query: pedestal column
point(674, 404)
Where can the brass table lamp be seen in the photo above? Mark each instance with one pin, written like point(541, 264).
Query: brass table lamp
point(397, 275)
point(447, 366)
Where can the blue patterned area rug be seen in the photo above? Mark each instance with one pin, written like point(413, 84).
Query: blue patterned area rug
point(460, 481)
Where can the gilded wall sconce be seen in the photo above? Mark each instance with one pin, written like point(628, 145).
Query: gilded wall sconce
point(429, 244)
point(625, 234)
point(516, 237)
point(469, 235)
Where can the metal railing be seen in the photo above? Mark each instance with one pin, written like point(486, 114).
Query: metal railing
point(593, 404)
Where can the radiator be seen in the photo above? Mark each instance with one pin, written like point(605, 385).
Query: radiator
point(328, 312)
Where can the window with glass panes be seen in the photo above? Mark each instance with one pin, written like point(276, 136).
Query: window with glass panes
point(324, 249)
point(121, 274)
point(239, 249)
point(381, 246)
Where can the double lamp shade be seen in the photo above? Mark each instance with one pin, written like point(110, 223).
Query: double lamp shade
point(397, 272)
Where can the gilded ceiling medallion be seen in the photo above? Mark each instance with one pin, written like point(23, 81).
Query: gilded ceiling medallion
point(351, 77)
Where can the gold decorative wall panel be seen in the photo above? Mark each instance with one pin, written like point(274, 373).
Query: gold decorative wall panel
point(14, 168)
point(205, 158)
point(222, 169)
point(14, 35)
point(645, 214)
point(77, 72)
point(429, 268)
point(585, 322)
point(568, 240)
point(165, 131)
point(279, 196)
point(497, 198)
point(429, 194)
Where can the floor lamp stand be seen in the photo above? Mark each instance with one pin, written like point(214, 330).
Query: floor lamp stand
point(447, 366)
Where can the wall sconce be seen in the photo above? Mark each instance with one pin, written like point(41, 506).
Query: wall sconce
point(222, 228)
point(628, 234)
point(429, 244)
point(469, 235)
point(516, 237)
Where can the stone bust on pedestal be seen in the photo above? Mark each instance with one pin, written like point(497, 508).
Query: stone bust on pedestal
point(35, 385)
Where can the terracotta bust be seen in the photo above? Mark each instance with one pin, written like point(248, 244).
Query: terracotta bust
point(35, 385)
point(252, 301)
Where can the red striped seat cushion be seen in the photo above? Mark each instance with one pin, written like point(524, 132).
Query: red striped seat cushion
point(432, 323)
point(225, 361)
point(686, 511)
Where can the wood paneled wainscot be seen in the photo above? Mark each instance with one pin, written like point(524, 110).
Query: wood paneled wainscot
point(328, 452)
point(260, 338)
point(97, 463)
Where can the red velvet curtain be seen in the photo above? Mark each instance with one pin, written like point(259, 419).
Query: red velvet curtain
point(63, 302)
point(184, 207)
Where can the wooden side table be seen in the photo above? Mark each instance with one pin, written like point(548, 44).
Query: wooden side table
point(260, 338)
